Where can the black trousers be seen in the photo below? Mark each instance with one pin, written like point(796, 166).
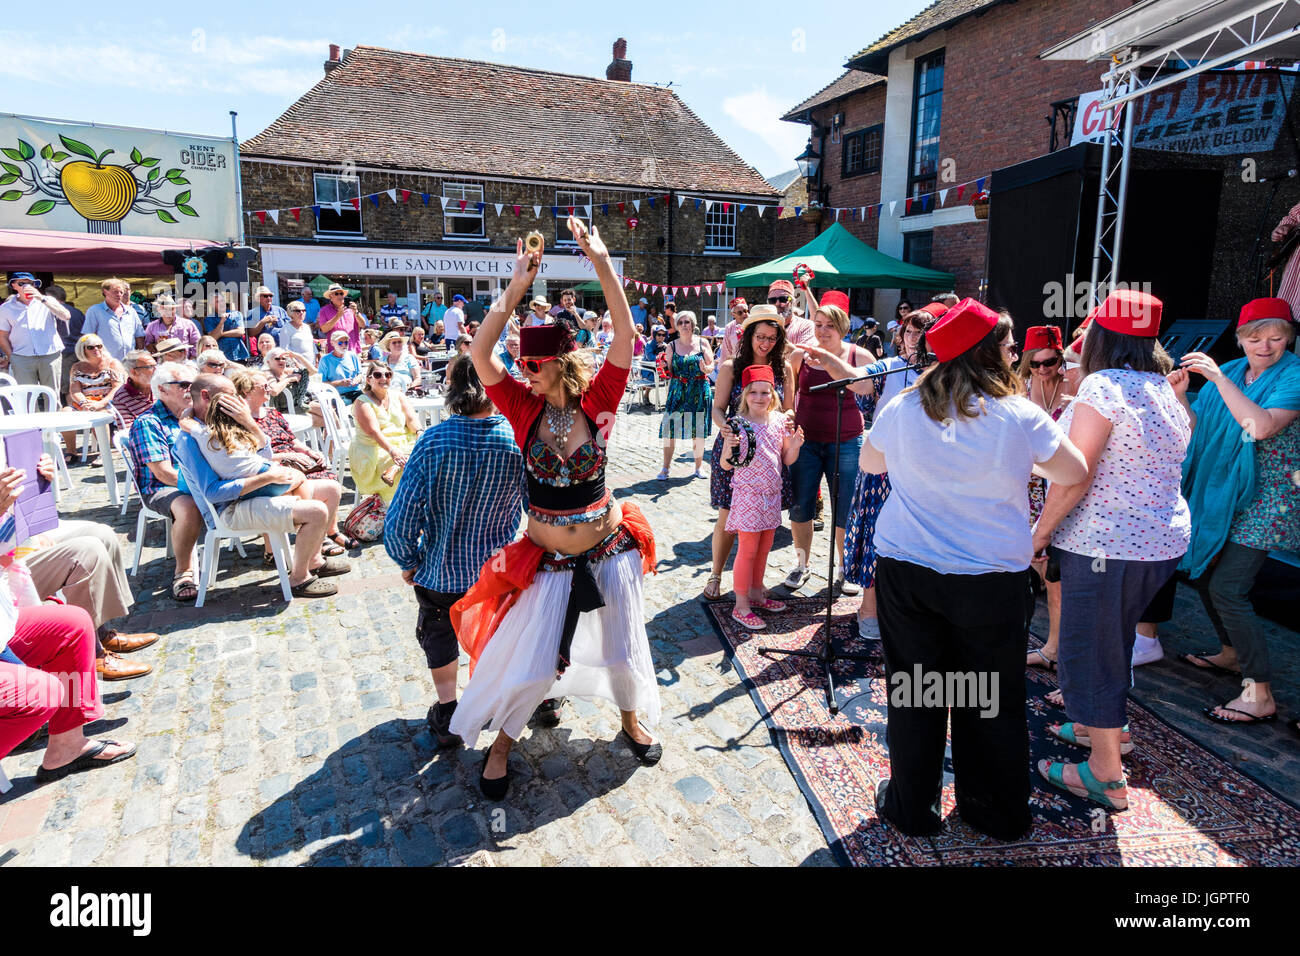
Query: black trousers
point(969, 631)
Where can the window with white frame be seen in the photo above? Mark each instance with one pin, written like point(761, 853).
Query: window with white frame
point(462, 218)
point(720, 228)
point(581, 204)
point(332, 189)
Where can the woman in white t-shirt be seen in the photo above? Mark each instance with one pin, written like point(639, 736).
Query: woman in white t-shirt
point(953, 551)
point(1118, 536)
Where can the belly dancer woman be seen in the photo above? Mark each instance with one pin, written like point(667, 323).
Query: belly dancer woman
point(559, 612)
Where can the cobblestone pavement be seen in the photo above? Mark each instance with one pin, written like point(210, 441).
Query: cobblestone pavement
point(287, 735)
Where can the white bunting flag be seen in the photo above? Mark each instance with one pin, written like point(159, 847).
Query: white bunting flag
point(680, 199)
point(443, 200)
point(708, 204)
point(760, 211)
point(338, 206)
point(586, 211)
point(392, 194)
point(892, 204)
point(697, 290)
point(537, 212)
point(943, 196)
point(499, 207)
point(709, 289)
point(636, 204)
point(275, 215)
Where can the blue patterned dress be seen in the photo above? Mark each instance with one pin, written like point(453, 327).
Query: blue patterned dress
point(869, 494)
point(688, 410)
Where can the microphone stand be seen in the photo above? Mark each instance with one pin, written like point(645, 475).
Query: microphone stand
point(826, 655)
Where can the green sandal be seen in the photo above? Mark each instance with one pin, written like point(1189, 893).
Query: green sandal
point(1093, 789)
point(1066, 732)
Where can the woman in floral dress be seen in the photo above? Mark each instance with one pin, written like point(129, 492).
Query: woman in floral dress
point(690, 396)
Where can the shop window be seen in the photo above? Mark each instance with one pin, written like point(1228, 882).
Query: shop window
point(861, 153)
point(918, 249)
point(581, 203)
point(927, 114)
point(720, 228)
point(342, 190)
point(458, 223)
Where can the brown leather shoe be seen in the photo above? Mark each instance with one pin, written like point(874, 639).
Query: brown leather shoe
point(119, 643)
point(113, 667)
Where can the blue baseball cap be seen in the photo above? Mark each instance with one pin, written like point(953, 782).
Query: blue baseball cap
point(458, 298)
point(20, 276)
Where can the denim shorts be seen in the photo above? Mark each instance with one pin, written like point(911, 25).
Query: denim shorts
point(817, 458)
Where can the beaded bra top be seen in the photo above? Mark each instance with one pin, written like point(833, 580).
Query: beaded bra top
point(566, 491)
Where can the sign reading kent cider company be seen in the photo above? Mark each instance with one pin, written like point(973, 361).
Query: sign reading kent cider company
point(559, 263)
point(114, 181)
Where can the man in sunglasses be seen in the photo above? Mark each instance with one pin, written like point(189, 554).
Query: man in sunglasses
point(29, 332)
point(798, 331)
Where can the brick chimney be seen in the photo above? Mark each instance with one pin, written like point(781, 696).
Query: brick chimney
point(621, 67)
point(333, 63)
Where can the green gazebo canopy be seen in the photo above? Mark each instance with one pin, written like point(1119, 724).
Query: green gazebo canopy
point(591, 285)
point(320, 284)
point(840, 260)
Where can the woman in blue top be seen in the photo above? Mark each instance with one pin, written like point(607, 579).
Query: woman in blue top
point(1238, 480)
point(227, 327)
point(342, 368)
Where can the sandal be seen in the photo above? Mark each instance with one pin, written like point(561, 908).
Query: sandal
point(183, 587)
point(1211, 712)
point(329, 549)
point(662, 476)
point(713, 588)
point(345, 541)
point(1067, 733)
point(1093, 789)
point(268, 559)
point(314, 587)
point(1047, 663)
point(1206, 664)
point(87, 761)
point(767, 604)
point(750, 620)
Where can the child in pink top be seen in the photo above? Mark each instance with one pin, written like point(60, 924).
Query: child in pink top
point(756, 490)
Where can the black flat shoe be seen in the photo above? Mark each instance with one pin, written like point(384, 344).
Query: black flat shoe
point(547, 713)
point(648, 754)
point(493, 789)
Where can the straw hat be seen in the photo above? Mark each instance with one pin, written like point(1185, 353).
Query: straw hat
point(163, 346)
point(762, 313)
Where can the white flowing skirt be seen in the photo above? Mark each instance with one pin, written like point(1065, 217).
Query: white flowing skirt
point(610, 653)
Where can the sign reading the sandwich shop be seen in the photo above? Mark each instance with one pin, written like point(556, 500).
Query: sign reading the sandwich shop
point(116, 181)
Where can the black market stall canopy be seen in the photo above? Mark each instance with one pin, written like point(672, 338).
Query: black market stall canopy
point(840, 260)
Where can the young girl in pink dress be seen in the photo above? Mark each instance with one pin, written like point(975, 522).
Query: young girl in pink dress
point(756, 490)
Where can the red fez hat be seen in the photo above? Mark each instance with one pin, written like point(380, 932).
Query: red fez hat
point(936, 309)
point(545, 340)
point(782, 285)
point(960, 329)
point(1043, 337)
point(1257, 309)
point(757, 373)
point(837, 299)
point(1128, 312)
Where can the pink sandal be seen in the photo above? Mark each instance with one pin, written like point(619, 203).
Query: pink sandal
point(750, 620)
point(767, 604)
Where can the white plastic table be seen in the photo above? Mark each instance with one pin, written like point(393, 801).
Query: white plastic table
point(431, 408)
point(302, 425)
point(52, 423)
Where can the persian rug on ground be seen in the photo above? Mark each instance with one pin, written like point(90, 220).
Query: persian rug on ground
point(1187, 807)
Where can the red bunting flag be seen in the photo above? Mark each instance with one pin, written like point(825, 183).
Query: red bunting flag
point(620, 207)
point(907, 206)
point(726, 207)
point(261, 215)
point(697, 290)
point(709, 289)
point(356, 203)
point(961, 189)
point(570, 210)
point(667, 197)
point(462, 205)
point(779, 210)
point(295, 211)
point(406, 195)
point(516, 209)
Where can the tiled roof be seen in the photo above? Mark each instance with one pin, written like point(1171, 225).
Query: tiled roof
point(850, 82)
point(781, 181)
point(938, 14)
point(412, 111)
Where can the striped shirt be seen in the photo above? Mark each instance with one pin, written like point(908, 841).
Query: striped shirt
point(459, 499)
point(152, 439)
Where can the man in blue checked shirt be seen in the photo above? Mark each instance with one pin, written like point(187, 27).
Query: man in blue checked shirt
point(460, 499)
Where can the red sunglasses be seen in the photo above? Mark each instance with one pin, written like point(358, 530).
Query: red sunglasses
point(535, 365)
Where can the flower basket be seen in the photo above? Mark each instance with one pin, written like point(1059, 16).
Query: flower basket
point(980, 203)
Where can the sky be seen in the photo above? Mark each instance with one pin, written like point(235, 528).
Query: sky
point(739, 68)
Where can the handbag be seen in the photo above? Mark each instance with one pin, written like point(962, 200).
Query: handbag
point(366, 521)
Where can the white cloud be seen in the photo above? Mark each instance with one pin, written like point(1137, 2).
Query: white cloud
point(759, 113)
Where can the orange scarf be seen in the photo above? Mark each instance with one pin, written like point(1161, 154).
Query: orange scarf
point(506, 574)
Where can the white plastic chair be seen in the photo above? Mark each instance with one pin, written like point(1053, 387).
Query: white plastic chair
point(6, 379)
point(147, 514)
point(339, 427)
point(218, 531)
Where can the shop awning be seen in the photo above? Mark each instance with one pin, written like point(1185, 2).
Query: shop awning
point(78, 253)
point(840, 260)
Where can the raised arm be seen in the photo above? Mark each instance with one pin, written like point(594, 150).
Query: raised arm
point(482, 349)
point(620, 350)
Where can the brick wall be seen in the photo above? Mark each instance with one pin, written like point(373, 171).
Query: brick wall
point(650, 254)
point(996, 95)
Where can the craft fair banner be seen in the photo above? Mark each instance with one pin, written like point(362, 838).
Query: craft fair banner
point(116, 181)
point(1213, 114)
